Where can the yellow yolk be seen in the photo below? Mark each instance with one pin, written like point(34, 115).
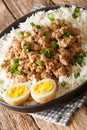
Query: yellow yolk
point(17, 91)
point(43, 87)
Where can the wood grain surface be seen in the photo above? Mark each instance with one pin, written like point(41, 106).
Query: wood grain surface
point(10, 10)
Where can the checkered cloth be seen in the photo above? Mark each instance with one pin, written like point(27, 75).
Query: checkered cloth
point(61, 114)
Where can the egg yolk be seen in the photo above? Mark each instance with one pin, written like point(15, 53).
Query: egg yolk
point(43, 87)
point(17, 91)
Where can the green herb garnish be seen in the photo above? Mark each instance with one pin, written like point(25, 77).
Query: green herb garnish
point(77, 75)
point(63, 83)
point(43, 51)
point(54, 44)
point(20, 34)
point(27, 48)
point(74, 15)
point(47, 52)
point(76, 10)
point(46, 34)
point(51, 16)
point(18, 72)
point(67, 34)
point(39, 62)
point(16, 60)
point(26, 35)
point(14, 69)
point(38, 26)
point(32, 24)
point(63, 25)
point(79, 57)
point(35, 25)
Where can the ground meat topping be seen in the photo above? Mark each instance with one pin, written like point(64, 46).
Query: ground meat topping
point(45, 52)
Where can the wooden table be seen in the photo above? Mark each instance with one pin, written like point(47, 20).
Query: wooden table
point(10, 10)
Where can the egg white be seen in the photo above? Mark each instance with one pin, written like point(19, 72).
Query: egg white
point(44, 97)
point(16, 100)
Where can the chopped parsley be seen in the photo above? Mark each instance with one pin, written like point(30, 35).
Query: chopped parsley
point(63, 83)
point(39, 62)
point(50, 16)
point(54, 44)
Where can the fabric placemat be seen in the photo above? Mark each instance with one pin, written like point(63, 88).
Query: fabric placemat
point(61, 114)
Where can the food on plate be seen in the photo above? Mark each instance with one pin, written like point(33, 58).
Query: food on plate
point(44, 90)
point(16, 95)
point(48, 47)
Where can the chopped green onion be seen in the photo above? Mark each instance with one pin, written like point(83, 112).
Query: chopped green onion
point(18, 72)
point(16, 60)
point(49, 52)
point(63, 25)
point(35, 25)
point(51, 16)
point(74, 15)
point(27, 48)
point(39, 62)
point(54, 44)
point(77, 75)
point(43, 51)
point(63, 83)
point(1, 81)
point(32, 24)
point(27, 35)
point(46, 34)
point(14, 69)
point(5, 61)
point(76, 10)
point(20, 34)
point(67, 34)
point(63, 5)
point(79, 57)
point(39, 26)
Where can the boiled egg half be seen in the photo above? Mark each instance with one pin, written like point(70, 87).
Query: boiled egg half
point(44, 90)
point(16, 95)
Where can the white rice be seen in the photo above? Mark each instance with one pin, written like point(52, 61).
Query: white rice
point(42, 19)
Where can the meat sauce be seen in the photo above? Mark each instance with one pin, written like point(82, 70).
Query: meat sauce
point(46, 52)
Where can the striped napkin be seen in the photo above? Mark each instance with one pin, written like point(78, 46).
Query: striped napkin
point(61, 114)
